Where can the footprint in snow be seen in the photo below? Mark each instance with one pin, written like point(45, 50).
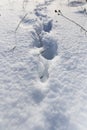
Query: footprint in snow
point(50, 47)
point(37, 96)
point(43, 71)
point(76, 3)
point(47, 26)
point(28, 19)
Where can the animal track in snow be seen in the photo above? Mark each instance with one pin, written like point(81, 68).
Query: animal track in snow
point(76, 3)
point(50, 47)
point(27, 19)
point(37, 96)
point(47, 26)
point(42, 38)
point(37, 35)
point(40, 14)
point(43, 71)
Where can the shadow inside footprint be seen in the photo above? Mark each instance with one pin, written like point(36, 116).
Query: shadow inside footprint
point(43, 71)
point(76, 3)
point(47, 26)
point(50, 48)
point(82, 11)
point(37, 96)
point(27, 20)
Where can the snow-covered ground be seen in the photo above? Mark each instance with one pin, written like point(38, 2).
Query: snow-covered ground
point(43, 65)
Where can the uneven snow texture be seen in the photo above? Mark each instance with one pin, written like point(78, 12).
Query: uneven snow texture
point(43, 66)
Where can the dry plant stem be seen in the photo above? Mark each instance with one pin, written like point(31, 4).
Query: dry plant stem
point(20, 22)
point(24, 4)
point(75, 23)
point(13, 48)
point(16, 31)
point(82, 28)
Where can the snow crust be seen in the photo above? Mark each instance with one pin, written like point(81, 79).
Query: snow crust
point(43, 66)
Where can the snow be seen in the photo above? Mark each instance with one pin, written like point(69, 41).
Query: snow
point(43, 65)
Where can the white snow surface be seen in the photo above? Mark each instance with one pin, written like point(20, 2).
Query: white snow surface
point(43, 66)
